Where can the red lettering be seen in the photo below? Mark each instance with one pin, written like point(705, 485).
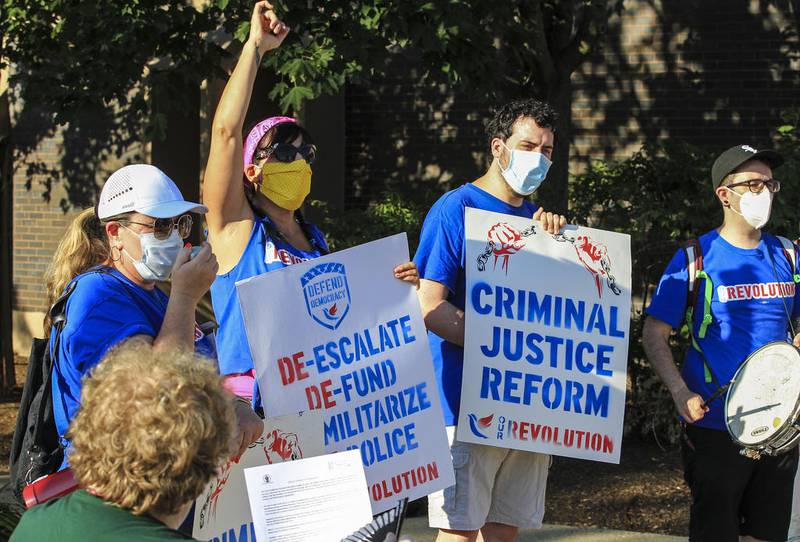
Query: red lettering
point(285, 368)
point(523, 430)
point(299, 366)
point(731, 292)
point(740, 291)
point(327, 394)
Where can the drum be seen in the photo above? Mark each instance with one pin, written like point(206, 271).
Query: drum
point(763, 402)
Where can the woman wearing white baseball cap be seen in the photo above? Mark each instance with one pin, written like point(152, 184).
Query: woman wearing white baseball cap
point(111, 258)
point(254, 188)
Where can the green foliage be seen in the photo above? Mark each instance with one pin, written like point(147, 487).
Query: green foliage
point(662, 196)
point(390, 215)
point(73, 55)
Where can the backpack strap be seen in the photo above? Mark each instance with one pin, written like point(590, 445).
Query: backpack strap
point(790, 252)
point(694, 267)
point(58, 317)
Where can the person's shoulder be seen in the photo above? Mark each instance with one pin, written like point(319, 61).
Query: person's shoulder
point(454, 201)
point(93, 287)
point(53, 518)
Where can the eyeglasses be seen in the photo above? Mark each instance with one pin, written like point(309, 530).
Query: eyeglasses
point(162, 227)
point(286, 152)
point(757, 185)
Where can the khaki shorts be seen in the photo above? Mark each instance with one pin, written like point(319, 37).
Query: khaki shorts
point(493, 485)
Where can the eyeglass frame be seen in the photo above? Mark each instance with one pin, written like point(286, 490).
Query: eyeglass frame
point(305, 150)
point(174, 225)
point(766, 183)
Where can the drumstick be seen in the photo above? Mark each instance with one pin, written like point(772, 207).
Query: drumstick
point(720, 391)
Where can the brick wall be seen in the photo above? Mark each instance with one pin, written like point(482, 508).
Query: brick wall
point(709, 72)
point(44, 207)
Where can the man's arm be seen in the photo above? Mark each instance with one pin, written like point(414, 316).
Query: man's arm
point(441, 316)
point(655, 339)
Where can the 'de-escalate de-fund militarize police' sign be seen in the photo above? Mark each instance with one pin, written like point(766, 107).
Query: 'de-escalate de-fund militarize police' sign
point(546, 341)
point(340, 333)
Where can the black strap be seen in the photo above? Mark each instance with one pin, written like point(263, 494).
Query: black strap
point(58, 318)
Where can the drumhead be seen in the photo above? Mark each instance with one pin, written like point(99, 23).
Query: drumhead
point(764, 395)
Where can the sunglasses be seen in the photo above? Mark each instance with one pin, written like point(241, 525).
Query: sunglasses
point(286, 152)
point(757, 185)
point(162, 227)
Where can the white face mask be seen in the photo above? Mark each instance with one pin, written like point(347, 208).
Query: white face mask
point(158, 257)
point(755, 208)
point(525, 171)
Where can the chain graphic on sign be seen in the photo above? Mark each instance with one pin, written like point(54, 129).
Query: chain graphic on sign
point(503, 241)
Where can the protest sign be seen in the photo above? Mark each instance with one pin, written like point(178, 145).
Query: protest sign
point(222, 512)
point(546, 337)
point(340, 333)
point(322, 499)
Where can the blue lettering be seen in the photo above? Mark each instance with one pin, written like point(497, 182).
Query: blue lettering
point(504, 301)
point(405, 324)
point(574, 315)
point(539, 312)
point(516, 353)
point(490, 383)
point(531, 341)
point(582, 347)
point(511, 386)
point(597, 404)
point(551, 393)
point(490, 353)
point(614, 317)
point(603, 359)
point(477, 290)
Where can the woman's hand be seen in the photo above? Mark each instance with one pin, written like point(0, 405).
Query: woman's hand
point(407, 272)
point(249, 425)
point(267, 31)
point(192, 276)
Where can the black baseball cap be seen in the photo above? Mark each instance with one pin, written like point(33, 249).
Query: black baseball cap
point(727, 162)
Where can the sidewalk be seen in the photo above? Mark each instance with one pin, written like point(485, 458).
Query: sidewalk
point(418, 528)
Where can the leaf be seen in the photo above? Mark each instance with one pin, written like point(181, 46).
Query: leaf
point(293, 100)
point(222, 4)
point(242, 31)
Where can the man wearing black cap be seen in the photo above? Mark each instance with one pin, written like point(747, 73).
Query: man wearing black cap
point(739, 299)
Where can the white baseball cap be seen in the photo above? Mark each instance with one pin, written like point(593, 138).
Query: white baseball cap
point(145, 189)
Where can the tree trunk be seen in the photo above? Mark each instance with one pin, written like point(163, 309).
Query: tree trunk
point(553, 195)
point(6, 284)
point(178, 153)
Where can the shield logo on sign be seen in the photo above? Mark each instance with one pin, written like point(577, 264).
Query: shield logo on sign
point(327, 294)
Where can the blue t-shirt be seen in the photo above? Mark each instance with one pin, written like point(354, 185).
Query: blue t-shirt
point(102, 311)
point(749, 307)
point(441, 257)
point(262, 254)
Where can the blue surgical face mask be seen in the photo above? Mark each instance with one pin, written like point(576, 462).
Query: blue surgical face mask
point(158, 256)
point(525, 171)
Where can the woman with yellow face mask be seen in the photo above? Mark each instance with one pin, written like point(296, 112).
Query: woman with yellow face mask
point(254, 188)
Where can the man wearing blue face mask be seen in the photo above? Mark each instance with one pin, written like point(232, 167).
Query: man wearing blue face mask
point(497, 491)
point(736, 289)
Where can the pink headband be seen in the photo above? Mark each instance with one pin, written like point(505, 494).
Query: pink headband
point(258, 131)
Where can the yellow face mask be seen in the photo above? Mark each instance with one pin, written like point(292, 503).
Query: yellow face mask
point(286, 184)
